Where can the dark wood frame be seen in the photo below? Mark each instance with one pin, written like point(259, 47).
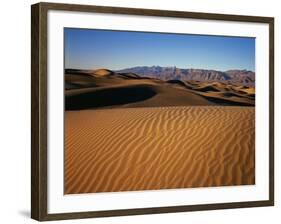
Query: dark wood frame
point(39, 110)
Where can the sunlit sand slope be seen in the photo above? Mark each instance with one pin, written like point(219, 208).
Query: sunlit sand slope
point(158, 148)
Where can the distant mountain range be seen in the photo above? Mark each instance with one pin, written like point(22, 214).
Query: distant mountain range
point(238, 77)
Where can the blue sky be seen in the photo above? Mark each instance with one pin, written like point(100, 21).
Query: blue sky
point(93, 49)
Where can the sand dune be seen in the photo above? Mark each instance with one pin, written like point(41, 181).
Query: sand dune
point(104, 88)
point(158, 148)
point(102, 72)
point(124, 132)
point(141, 94)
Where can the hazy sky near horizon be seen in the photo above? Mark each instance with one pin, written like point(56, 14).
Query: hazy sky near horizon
point(93, 49)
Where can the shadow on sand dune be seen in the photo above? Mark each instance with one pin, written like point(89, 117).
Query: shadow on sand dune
point(225, 102)
point(106, 89)
point(95, 98)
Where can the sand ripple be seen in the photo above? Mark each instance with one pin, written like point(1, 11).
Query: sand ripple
point(159, 148)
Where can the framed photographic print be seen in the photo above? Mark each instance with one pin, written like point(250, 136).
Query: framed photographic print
point(139, 111)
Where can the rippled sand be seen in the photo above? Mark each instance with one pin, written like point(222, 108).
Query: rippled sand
point(132, 149)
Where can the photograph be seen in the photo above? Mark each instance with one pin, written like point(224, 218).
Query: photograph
point(157, 111)
point(139, 111)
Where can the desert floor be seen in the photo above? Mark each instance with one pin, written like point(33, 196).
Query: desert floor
point(128, 149)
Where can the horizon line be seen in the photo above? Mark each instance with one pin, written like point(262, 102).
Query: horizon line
point(218, 70)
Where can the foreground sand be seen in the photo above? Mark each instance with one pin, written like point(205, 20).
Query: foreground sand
point(158, 148)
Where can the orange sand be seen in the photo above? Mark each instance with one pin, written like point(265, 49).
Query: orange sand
point(130, 149)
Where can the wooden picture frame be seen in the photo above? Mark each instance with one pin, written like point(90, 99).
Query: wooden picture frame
point(39, 108)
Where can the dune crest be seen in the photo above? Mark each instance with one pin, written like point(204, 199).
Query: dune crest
point(86, 90)
point(102, 72)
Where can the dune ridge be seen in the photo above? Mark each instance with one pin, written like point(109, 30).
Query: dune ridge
point(104, 88)
point(129, 149)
